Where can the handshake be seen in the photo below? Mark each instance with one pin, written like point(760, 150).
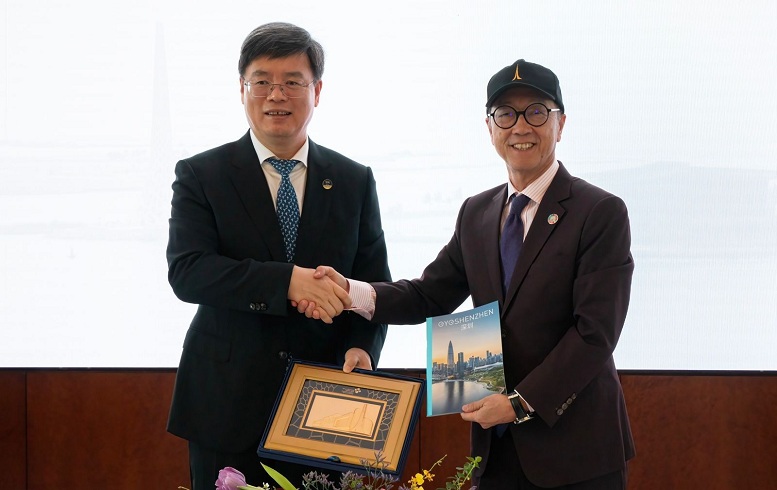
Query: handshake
point(320, 293)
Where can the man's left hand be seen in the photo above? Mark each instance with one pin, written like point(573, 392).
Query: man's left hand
point(489, 411)
point(356, 358)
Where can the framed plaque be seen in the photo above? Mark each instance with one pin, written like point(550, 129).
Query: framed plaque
point(326, 418)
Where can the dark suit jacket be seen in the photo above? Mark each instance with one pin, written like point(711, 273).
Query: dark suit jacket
point(226, 253)
point(561, 319)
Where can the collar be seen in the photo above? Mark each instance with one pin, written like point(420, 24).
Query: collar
point(264, 153)
point(536, 190)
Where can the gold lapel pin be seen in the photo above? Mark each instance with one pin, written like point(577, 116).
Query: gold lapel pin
point(326, 184)
point(552, 219)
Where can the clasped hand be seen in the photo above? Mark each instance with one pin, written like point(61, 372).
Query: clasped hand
point(318, 293)
point(312, 307)
point(323, 294)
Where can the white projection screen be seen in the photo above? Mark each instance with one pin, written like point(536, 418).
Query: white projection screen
point(670, 105)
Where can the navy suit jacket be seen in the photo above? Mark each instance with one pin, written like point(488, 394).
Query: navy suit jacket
point(226, 254)
point(561, 318)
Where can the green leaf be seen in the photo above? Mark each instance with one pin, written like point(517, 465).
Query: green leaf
point(279, 479)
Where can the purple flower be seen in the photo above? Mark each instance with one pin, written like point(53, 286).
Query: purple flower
point(229, 479)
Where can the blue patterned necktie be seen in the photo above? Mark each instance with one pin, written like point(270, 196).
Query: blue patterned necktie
point(512, 238)
point(287, 205)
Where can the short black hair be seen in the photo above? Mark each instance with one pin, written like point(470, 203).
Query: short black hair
point(279, 40)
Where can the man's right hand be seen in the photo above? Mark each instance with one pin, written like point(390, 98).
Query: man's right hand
point(309, 306)
point(330, 272)
point(322, 289)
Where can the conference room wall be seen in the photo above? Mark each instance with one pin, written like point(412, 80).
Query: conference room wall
point(105, 428)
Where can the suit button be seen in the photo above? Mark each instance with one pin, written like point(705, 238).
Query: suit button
point(253, 306)
point(569, 401)
point(262, 306)
point(559, 412)
point(283, 355)
point(564, 406)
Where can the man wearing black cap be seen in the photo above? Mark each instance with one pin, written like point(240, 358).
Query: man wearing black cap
point(554, 251)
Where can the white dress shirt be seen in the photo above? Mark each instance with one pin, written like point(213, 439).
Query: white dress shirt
point(298, 175)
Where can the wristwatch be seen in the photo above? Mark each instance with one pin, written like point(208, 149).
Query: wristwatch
point(521, 415)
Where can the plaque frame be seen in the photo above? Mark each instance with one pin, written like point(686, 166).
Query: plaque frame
point(329, 419)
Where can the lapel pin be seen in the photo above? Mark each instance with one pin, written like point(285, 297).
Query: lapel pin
point(552, 219)
point(326, 184)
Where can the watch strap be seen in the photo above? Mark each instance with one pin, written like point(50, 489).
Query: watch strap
point(521, 415)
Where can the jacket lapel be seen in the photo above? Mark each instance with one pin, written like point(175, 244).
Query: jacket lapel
point(492, 218)
point(251, 186)
point(320, 188)
point(541, 229)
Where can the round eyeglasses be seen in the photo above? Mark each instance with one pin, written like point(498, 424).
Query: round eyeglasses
point(535, 115)
point(289, 88)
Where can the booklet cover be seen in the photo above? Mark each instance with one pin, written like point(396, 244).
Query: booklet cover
point(464, 359)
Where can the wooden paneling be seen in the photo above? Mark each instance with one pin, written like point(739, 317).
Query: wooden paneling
point(435, 437)
point(710, 432)
point(106, 429)
point(102, 429)
point(440, 436)
point(13, 428)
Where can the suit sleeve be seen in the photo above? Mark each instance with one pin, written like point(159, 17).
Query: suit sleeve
point(600, 292)
point(441, 288)
point(200, 274)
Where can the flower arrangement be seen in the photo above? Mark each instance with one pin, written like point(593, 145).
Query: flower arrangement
point(374, 478)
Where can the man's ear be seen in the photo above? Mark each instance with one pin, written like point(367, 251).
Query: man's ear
point(317, 90)
point(242, 91)
point(561, 122)
point(490, 129)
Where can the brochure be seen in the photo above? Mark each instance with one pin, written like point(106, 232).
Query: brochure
point(464, 359)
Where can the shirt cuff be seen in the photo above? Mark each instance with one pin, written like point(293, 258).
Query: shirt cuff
point(362, 298)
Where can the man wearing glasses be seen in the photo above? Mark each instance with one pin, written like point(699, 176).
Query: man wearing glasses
point(249, 220)
point(555, 252)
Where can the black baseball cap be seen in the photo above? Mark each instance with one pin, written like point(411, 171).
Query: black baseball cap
point(524, 74)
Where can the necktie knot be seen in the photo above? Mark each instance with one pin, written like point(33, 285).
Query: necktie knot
point(284, 167)
point(519, 201)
